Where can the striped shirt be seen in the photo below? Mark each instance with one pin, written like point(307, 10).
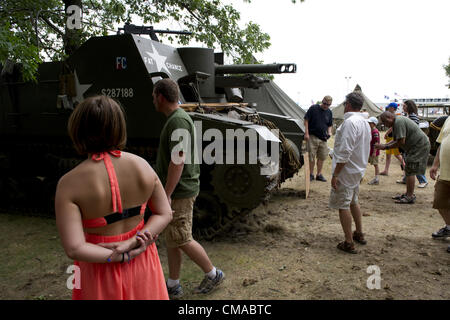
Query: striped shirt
point(414, 117)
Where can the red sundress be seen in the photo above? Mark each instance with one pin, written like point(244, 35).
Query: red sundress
point(140, 279)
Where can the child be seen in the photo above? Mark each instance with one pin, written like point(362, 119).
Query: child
point(374, 153)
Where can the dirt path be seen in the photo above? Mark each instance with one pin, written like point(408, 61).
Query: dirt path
point(286, 249)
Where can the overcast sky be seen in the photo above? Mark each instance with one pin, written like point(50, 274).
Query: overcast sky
point(388, 47)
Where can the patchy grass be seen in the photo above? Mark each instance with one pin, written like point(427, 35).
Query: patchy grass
point(33, 262)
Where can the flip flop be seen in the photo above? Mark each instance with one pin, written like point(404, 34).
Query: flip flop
point(383, 174)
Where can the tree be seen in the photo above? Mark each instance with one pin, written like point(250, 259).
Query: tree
point(32, 31)
point(447, 71)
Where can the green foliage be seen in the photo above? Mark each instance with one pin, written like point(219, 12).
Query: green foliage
point(16, 47)
point(447, 72)
point(34, 30)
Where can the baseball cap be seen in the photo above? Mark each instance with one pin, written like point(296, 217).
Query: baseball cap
point(373, 120)
point(392, 105)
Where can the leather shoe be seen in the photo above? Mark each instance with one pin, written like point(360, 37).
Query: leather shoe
point(320, 177)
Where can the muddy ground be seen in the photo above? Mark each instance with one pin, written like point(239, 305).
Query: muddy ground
point(285, 249)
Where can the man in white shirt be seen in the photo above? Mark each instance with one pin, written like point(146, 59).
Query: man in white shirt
point(350, 157)
point(442, 187)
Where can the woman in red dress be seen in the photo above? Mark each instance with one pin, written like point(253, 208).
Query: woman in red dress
point(101, 225)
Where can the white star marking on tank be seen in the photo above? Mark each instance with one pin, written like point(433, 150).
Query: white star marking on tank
point(80, 89)
point(159, 60)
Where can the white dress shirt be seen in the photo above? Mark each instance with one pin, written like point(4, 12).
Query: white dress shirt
point(352, 147)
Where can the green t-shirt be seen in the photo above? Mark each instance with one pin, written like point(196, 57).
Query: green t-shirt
point(408, 129)
point(172, 141)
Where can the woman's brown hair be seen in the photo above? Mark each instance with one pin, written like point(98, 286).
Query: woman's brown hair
point(410, 107)
point(97, 124)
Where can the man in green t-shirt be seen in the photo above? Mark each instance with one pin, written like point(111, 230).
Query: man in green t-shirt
point(180, 176)
point(408, 136)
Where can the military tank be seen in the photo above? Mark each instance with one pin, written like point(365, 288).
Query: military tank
point(35, 150)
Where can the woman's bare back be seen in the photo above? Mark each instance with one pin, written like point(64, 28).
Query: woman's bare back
point(90, 190)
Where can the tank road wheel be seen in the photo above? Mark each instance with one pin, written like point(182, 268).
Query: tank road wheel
point(239, 186)
point(209, 216)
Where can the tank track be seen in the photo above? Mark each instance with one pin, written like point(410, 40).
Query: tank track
point(222, 209)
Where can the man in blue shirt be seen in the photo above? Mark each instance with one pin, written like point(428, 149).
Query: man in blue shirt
point(318, 123)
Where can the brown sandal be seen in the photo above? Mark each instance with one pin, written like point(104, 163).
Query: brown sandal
point(347, 247)
point(359, 237)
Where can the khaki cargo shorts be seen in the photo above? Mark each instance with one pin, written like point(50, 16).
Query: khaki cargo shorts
point(179, 231)
point(441, 195)
point(343, 197)
point(317, 147)
point(373, 160)
point(416, 162)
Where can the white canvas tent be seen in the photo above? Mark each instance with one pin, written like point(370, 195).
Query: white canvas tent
point(272, 99)
point(368, 106)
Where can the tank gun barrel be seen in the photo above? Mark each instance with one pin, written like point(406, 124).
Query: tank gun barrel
point(256, 68)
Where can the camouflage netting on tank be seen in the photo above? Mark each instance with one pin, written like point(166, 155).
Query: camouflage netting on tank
point(289, 161)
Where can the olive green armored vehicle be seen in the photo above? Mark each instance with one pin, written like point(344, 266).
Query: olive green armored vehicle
point(35, 150)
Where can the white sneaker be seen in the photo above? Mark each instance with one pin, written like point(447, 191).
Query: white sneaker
point(374, 181)
point(423, 184)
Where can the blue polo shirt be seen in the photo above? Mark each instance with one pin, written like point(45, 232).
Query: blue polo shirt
point(318, 121)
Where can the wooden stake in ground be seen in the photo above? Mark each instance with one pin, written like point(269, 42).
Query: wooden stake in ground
point(307, 180)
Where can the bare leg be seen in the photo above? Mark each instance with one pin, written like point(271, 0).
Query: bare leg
point(400, 159)
point(388, 163)
point(174, 257)
point(445, 213)
point(319, 166)
point(356, 214)
point(377, 171)
point(410, 182)
point(346, 223)
point(198, 255)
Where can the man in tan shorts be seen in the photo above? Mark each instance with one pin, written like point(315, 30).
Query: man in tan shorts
point(181, 181)
point(350, 157)
point(442, 187)
point(318, 122)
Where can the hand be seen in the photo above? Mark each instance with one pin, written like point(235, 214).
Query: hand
point(120, 247)
point(144, 239)
point(433, 172)
point(379, 146)
point(147, 237)
point(134, 246)
point(334, 182)
point(138, 250)
point(306, 137)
